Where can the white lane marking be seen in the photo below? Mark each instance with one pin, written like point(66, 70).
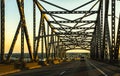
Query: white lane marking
point(62, 73)
point(98, 69)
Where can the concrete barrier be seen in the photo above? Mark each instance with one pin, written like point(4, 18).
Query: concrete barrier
point(43, 63)
point(33, 65)
point(7, 68)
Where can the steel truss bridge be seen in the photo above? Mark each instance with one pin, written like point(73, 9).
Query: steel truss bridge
point(58, 32)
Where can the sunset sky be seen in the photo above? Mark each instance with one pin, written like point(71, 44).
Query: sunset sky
point(12, 17)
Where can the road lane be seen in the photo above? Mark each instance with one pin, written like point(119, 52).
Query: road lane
point(74, 68)
point(110, 70)
point(84, 69)
point(98, 69)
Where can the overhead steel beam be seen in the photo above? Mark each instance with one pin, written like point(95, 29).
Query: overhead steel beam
point(54, 5)
point(68, 41)
point(45, 36)
point(78, 35)
point(83, 5)
point(83, 21)
point(85, 15)
point(68, 12)
point(74, 28)
point(41, 8)
point(70, 33)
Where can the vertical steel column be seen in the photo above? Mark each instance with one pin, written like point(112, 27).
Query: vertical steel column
point(117, 41)
point(60, 52)
point(48, 40)
point(38, 40)
point(2, 30)
point(95, 44)
point(57, 48)
point(113, 32)
point(54, 46)
point(98, 38)
point(34, 27)
point(106, 30)
point(97, 34)
point(45, 41)
point(101, 32)
point(50, 45)
point(22, 32)
point(42, 45)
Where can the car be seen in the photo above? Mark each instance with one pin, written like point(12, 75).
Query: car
point(82, 58)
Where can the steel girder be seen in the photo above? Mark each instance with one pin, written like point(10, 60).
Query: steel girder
point(66, 33)
point(117, 42)
point(87, 21)
point(2, 41)
point(24, 31)
point(106, 31)
point(73, 33)
point(59, 39)
point(93, 45)
point(34, 28)
point(102, 33)
point(112, 49)
point(74, 28)
point(47, 37)
point(68, 12)
point(95, 42)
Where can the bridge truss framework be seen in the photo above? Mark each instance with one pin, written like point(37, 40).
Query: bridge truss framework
point(55, 41)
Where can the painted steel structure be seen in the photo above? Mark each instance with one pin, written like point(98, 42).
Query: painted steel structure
point(55, 41)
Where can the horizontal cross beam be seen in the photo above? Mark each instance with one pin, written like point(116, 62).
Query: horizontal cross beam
point(85, 21)
point(68, 12)
point(73, 28)
point(78, 36)
point(70, 33)
point(45, 36)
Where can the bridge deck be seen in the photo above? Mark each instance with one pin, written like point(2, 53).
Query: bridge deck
point(73, 68)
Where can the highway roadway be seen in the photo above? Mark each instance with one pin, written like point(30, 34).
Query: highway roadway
point(73, 68)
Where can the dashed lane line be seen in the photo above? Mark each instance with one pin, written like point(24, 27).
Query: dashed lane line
point(62, 73)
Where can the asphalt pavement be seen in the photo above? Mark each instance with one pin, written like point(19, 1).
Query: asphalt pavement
point(73, 68)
